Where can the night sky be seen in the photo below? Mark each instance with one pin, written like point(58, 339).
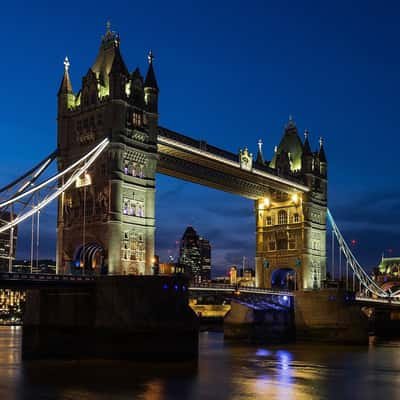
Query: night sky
point(229, 72)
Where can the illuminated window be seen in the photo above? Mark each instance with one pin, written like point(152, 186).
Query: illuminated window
point(137, 119)
point(296, 218)
point(141, 172)
point(282, 217)
point(269, 220)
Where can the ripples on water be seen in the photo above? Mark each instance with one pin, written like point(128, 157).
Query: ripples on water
point(224, 371)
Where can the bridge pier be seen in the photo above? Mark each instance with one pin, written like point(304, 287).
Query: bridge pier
point(259, 325)
point(133, 317)
point(330, 315)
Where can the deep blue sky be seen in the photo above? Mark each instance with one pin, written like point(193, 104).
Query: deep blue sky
point(229, 72)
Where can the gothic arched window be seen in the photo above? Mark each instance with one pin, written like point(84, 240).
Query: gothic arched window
point(282, 217)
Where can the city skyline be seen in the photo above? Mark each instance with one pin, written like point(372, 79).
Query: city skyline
point(262, 87)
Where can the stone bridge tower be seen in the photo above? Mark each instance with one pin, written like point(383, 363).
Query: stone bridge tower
point(106, 222)
point(291, 227)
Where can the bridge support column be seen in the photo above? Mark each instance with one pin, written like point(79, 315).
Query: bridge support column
point(329, 315)
point(256, 325)
point(136, 317)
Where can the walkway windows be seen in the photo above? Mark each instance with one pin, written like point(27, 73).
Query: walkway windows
point(282, 217)
point(134, 169)
point(133, 251)
point(134, 208)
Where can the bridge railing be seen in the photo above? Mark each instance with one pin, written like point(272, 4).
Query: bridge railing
point(238, 288)
point(11, 276)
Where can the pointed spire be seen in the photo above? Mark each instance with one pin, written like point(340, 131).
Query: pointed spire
point(260, 158)
point(110, 36)
point(290, 123)
point(306, 144)
point(151, 80)
point(66, 85)
point(321, 154)
point(118, 65)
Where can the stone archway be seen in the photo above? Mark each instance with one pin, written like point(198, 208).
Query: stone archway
point(90, 259)
point(283, 279)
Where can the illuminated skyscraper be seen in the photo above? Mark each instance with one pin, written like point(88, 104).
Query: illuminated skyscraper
point(205, 254)
point(195, 255)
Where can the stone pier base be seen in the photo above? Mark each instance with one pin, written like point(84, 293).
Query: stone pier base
point(130, 318)
point(247, 323)
point(330, 315)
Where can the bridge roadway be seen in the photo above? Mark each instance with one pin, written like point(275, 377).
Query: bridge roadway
point(21, 280)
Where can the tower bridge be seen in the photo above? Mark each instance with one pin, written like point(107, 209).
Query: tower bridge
point(110, 147)
point(289, 191)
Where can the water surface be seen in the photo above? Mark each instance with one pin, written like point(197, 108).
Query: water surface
point(224, 371)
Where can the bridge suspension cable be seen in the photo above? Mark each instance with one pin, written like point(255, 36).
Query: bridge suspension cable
point(24, 195)
point(363, 277)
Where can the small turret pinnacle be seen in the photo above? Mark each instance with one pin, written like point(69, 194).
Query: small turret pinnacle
point(150, 57)
point(108, 26)
point(306, 145)
point(151, 81)
point(66, 85)
point(260, 158)
point(322, 156)
point(66, 64)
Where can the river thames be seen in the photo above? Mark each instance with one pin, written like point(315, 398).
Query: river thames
point(224, 371)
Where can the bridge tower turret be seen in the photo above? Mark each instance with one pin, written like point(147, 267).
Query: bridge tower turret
point(291, 225)
point(66, 97)
point(106, 222)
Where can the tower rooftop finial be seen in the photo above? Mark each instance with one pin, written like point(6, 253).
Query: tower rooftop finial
point(321, 141)
point(306, 133)
point(66, 64)
point(150, 57)
point(110, 36)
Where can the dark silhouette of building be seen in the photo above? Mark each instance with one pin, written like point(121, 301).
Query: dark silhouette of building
point(195, 255)
point(7, 249)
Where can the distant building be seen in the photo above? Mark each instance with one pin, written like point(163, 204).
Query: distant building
point(44, 266)
point(195, 255)
point(233, 275)
point(205, 254)
point(248, 277)
point(388, 270)
point(6, 252)
point(11, 306)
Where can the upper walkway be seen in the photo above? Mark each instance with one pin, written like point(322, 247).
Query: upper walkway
point(199, 162)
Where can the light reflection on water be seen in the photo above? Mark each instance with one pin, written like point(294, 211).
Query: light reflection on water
point(224, 371)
